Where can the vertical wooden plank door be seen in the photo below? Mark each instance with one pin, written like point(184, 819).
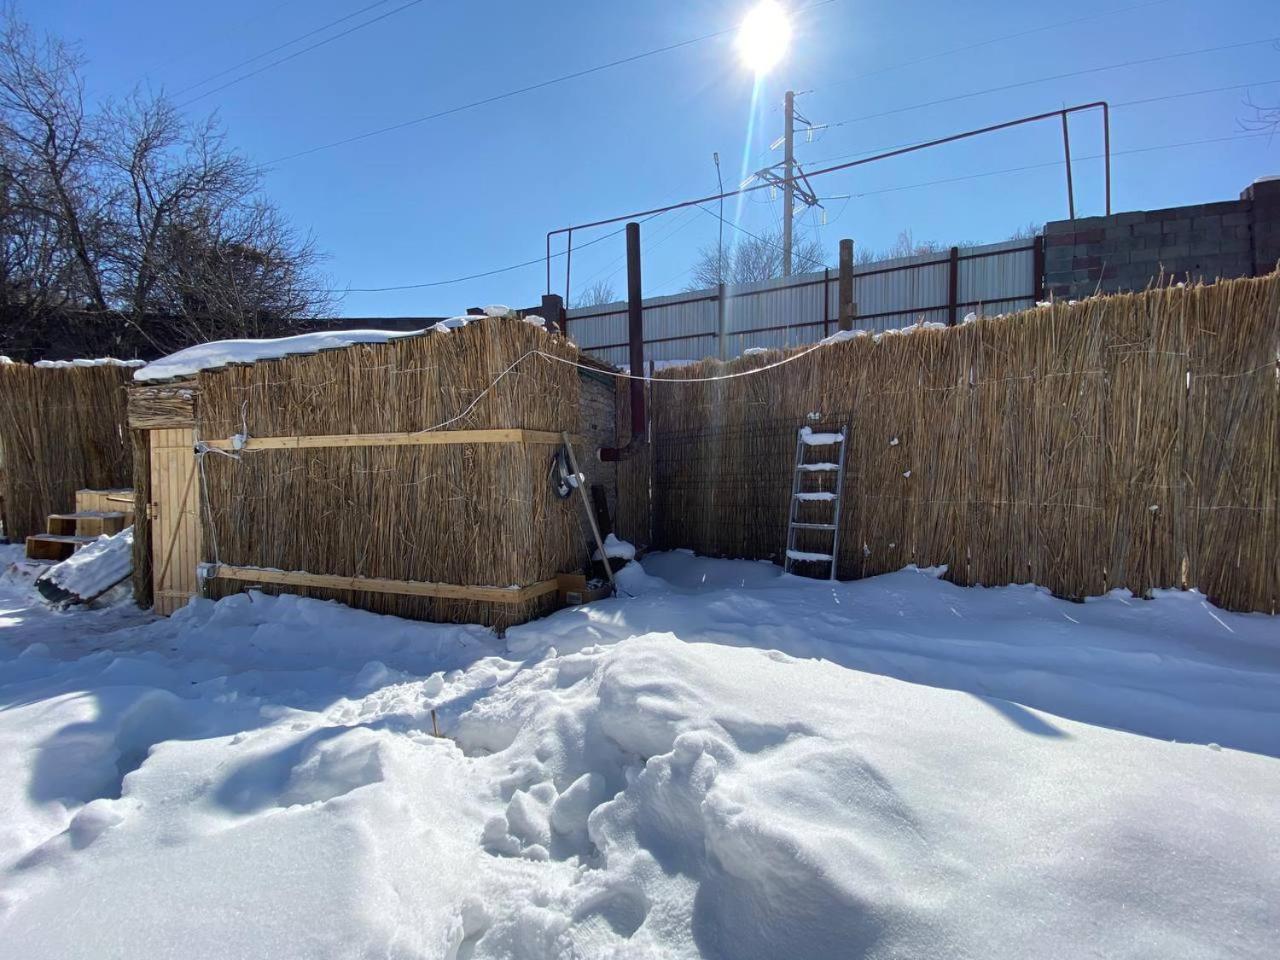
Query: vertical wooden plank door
point(175, 523)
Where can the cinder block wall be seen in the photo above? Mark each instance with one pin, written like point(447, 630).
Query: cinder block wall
point(1127, 251)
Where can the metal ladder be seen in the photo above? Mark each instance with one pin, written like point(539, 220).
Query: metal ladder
point(804, 438)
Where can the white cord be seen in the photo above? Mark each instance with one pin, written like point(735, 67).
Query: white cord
point(572, 363)
point(726, 376)
point(610, 373)
point(481, 395)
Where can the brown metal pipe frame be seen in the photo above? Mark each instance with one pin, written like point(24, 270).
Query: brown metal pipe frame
point(1064, 112)
point(1066, 148)
point(635, 331)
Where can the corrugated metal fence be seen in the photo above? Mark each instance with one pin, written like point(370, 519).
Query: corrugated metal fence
point(937, 287)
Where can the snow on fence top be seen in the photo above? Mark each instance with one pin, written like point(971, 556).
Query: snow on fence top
point(99, 362)
point(64, 364)
point(221, 353)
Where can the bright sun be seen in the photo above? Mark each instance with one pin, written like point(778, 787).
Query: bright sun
point(764, 36)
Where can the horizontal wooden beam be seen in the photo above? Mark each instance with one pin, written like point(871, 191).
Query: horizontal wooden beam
point(505, 435)
point(413, 588)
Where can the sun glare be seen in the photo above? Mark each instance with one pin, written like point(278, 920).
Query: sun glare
point(764, 36)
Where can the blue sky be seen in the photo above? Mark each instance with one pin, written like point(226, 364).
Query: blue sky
point(479, 189)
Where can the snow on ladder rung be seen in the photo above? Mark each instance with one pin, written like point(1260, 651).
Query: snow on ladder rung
point(821, 495)
point(818, 467)
point(814, 526)
point(819, 439)
point(804, 555)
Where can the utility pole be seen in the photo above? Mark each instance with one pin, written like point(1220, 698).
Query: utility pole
point(722, 314)
point(788, 182)
point(720, 271)
point(790, 177)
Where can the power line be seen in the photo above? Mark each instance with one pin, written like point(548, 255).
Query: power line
point(473, 276)
point(298, 53)
point(764, 240)
point(975, 46)
point(986, 43)
point(1059, 163)
point(1115, 106)
point(497, 97)
point(220, 36)
point(278, 47)
point(1062, 113)
point(866, 193)
point(614, 265)
point(1192, 93)
point(1059, 76)
point(506, 95)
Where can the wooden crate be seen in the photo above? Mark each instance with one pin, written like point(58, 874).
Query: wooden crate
point(49, 546)
point(107, 501)
point(88, 523)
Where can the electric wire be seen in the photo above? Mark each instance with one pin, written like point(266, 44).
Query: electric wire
point(986, 43)
point(1121, 105)
point(1058, 76)
point(298, 53)
point(276, 49)
point(529, 88)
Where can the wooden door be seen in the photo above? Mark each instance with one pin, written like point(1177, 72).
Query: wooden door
point(175, 518)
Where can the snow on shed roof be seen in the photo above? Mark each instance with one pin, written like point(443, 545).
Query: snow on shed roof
point(220, 353)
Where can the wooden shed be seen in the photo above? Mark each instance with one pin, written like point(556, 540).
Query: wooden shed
point(418, 474)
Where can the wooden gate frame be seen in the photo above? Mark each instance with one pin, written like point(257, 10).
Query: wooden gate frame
point(172, 588)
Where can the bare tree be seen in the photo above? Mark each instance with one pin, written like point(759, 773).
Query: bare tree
point(50, 156)
point(132, 216)
point(1265, 117)
point(753, 259)
point(908, 246)
point(596, 295)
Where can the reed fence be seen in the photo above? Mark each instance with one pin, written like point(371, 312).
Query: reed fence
point(61, 429)
point(468, 514)
point(1127, 441)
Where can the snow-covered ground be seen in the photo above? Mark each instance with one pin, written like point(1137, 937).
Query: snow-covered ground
point(730, 763)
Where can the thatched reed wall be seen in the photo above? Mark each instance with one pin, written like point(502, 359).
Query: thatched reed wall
point(62, 429)
point(475, 514)
point(1131, 441)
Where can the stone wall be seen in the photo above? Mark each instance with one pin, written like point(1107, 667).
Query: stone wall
point(1129, 251)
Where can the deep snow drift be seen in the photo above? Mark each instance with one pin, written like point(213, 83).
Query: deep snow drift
point(730, 764)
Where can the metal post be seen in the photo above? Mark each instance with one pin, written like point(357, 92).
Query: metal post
point(722, 322)
point(635, 328)
point(788, 183)
point(826, 301)
point(1037, 269)
point(553, 313)
point(1066, 146)
point(1106, 149)
point(953, 286)
point(846, 285)
point(568, 262)
point(720, 241)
